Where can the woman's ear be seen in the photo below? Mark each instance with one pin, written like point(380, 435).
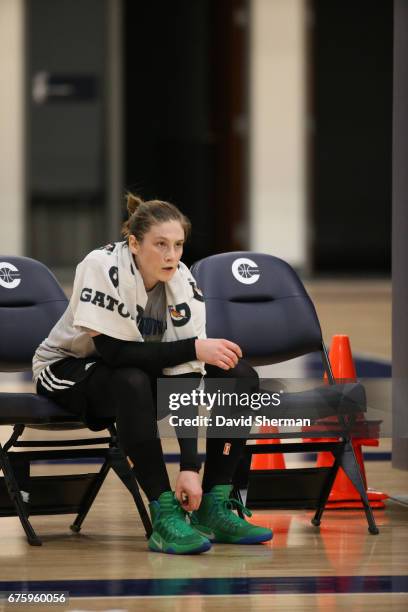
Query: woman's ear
point(133, 244)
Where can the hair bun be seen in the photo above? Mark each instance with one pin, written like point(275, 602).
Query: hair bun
point(132, 203)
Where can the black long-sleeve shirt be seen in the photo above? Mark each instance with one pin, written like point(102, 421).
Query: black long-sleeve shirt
point(149, 356)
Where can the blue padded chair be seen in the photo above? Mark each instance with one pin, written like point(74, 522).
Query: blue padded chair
point(31, 301)
point(259, 302)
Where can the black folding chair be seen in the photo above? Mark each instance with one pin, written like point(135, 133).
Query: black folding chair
point(259, 302)
point(31, 301)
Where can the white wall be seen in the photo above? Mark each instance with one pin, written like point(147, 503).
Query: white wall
point(12, 190)
point(277, 115)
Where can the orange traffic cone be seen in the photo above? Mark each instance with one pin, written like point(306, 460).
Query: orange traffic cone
point(271, 461)
point(343, 493)
point(341, 359)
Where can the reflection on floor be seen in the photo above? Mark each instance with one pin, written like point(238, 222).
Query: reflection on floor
point(109, 558)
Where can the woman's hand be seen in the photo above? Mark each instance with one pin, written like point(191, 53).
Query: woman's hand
point(188, 490)
point(219, 352)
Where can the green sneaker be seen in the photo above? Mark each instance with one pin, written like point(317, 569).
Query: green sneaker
point(171, 533)
point(216, 520)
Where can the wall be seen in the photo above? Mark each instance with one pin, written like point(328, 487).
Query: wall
point(12, 190)
point(277, 102)
point(399, 240)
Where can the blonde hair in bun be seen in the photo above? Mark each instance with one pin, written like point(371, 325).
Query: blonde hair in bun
point(132, 203)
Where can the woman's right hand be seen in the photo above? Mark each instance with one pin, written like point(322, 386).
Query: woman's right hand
point(218, 352)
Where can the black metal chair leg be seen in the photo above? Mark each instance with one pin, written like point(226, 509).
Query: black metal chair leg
point(15, 496)
point(316, 520)
point(121, 467)
point(17, 432)
point(90, 497)
point(351, 467)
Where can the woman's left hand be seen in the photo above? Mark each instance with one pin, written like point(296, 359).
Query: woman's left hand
point(188, 490)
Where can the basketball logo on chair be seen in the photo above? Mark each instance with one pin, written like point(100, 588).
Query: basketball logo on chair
point(245, 270)
point(9, 275)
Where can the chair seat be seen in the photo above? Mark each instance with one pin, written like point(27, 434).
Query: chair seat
point(30, 408)
point(325, 401)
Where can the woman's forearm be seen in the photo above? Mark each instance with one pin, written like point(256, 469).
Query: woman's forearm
point(144, 355)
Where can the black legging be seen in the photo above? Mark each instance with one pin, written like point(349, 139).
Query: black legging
point(126, 396)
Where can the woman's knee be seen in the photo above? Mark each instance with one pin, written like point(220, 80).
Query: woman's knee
point(132, 380)
point(244, 370)
point(241, 370)
point(243, 377)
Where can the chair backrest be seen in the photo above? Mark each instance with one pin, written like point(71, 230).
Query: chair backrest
point(31, 302)
point(259, 302)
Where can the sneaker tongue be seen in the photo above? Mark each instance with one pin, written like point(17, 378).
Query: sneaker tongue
point(221, 492)
point(167, 502)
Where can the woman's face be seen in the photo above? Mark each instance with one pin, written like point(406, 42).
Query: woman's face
point(158, 254)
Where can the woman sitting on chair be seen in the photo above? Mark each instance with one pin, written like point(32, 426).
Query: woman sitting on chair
point(135, 315)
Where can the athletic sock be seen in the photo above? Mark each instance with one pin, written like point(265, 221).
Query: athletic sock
point(221, 462)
